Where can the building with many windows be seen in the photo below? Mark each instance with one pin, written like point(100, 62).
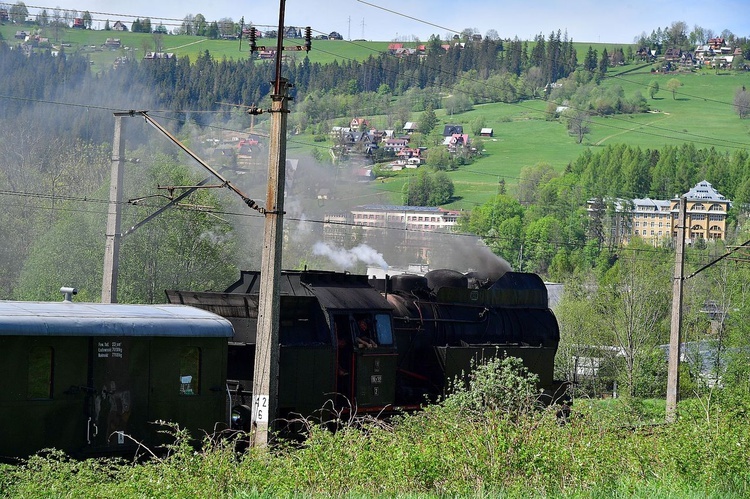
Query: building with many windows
point(424, 218)
point(706, 216)
point(408, 229)
point(655, 220)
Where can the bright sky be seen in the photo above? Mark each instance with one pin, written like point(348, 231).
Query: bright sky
point(585, 20)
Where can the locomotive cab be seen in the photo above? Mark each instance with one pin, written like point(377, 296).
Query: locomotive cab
point(337, 350)
point(366, 361)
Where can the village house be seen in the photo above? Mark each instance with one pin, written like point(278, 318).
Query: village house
point(673, 55)
point(409, 153)
point(360, 124)
point(450, 130)
point(410, 127)
point(119, 26)
point(456, 142)
point(395, 145)
point(358, 142)
point(159, 55)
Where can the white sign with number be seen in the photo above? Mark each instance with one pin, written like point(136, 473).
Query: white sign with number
point(260, 409)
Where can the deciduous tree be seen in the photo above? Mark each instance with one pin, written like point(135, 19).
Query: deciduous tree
point(18, 12)
point(653, 88)
point(742, 102)
point(578, 125)
point(634, 298)
point(673, 85)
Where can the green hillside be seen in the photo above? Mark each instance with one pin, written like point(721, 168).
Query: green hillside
point(701, 112)
point(91, 42)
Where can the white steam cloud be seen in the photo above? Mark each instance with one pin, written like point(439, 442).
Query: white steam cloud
point(348, 258)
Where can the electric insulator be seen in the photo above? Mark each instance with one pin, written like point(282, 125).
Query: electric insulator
point(253, 44)
point(308, 39)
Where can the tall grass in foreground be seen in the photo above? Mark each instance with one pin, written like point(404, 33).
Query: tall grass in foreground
point(456, 449)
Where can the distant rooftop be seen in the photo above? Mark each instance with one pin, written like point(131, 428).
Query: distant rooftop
point(390, 207)
point(704, 190)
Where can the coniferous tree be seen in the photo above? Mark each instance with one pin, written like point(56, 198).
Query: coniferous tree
point(604, 62)
point(590, 62)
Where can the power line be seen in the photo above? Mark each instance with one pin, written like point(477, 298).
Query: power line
point(301, 220)
point(717, 141)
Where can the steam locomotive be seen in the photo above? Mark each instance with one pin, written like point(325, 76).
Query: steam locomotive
point(421, 332)
point(91, 379)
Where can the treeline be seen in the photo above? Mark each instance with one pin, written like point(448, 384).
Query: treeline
point(38, 76)
point(631, 172)
point(486, 71)
point(545, 226)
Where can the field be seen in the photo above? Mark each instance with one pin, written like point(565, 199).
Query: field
point(90, 42)
point(700, 112)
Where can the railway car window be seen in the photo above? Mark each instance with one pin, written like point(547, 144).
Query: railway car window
point(190, 371)
point(40, 373)
point(383, 325)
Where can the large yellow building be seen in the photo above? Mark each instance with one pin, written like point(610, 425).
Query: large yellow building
point(706, 216)
point(655, 220)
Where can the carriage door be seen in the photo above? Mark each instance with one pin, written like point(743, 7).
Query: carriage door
point(118, 403)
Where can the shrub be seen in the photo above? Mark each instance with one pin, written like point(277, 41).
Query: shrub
point(496, 385)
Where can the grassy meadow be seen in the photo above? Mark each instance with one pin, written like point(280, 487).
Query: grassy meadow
point(700, 112)
point(90, 42)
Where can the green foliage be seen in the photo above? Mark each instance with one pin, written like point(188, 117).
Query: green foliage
point(428, 189)
point(499, 384)
point(606, 449)
point(178, 249)
point(653, 88)
point(428, 121)
point(650, 379)
point(673, 85)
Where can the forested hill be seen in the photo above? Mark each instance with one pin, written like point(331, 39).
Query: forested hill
point(202, 85)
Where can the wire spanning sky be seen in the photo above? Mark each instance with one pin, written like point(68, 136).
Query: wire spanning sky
point(406, 20)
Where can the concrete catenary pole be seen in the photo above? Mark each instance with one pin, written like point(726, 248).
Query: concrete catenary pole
point(673, 373)
point(112, 247)
point(266, 371)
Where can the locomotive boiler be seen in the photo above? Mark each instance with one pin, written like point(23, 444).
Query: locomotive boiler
point(349, 343)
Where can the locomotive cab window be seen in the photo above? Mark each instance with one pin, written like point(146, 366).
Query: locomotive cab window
point(190, 370)
point(383, 328)
point(40, 373)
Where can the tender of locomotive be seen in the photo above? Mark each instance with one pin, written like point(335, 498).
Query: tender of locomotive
point(90, 378)
point(379, 346)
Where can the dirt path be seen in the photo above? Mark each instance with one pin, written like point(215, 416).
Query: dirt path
point(666, 116)
point(187, 44)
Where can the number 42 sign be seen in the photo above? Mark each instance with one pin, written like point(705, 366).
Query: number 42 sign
point(260, 409)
